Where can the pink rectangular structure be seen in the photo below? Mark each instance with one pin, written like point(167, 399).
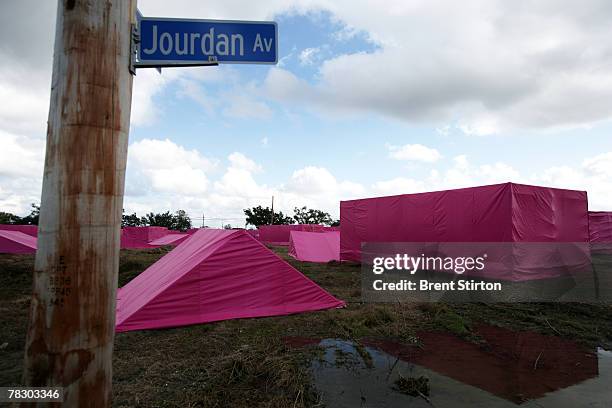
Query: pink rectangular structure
point(600, 231)
point(139, 237)
point(16, 242)
point(315, 246)
point(31, 230)
point(501, 213)
point(279, 234)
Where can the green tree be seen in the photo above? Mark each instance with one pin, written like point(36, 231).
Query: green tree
point(179, 221)
point(261, 216)
point(131, 220)
point(311, 216)
point(8, 218)
point(32, 218)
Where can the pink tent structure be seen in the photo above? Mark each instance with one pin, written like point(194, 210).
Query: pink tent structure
point(31, 230)
point(502, 213)
point(254, 233)
point(600, 231)
point(170, 239)
point(216, 275)
point(279, 234)
point(315, 246)
point(139, 237)
point(16, 242)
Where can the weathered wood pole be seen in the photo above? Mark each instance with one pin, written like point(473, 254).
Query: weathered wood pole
point(72, 316)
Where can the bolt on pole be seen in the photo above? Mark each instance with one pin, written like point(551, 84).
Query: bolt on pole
point(72, 313)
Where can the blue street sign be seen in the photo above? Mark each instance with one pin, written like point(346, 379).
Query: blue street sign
point(168, 41)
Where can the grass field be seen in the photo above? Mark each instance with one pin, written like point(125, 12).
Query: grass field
point(252, 362)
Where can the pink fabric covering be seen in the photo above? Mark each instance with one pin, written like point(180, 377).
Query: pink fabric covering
point(216, 275)
point(254, 233)
point(139, 237)
point(315, 246)
point(600, 231)
point(15, 242)
point(170, 239)
point(279, 234)
point(507, 212)
point(31, 230)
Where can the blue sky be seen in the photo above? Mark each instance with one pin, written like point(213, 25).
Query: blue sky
point(365, 100)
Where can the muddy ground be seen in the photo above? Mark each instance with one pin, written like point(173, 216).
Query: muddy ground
point(261, 362)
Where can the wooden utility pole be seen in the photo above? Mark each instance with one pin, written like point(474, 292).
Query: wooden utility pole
point(72, 316)
point(272, 215)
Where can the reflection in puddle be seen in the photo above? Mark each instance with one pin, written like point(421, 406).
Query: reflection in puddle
point(507, 369)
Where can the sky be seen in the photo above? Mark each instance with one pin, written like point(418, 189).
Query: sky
point(368, 98)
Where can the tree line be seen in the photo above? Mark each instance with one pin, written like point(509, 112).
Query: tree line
point(30, 219)
point(264, 216)
point(180, 221)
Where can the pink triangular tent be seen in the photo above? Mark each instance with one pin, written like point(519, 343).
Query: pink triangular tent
point(170, 239)
point(315, 246)
point(15, 242)
point(216, 275)
point(31, 230)
point(139, 237)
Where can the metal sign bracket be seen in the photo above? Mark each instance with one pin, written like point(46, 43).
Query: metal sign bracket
point(134, 63)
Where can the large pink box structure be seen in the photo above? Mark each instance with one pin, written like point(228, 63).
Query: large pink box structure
point(510, 213)
point(315, 246)
point(280, 234)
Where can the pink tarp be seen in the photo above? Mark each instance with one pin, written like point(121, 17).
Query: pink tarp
point(139, 237)
point(16, 242)
point(31, 230)
point(600, 231)
point(279, 234)
point(170, 239)
point(216, 275)
point(315, 246)
point(254, 233)
point(511, 213)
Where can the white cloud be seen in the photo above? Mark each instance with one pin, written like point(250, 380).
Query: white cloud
point(312, 180)
point(489, 65)
point(399, 185)
point(148, 83)
point(309, 56)
point(21, 169)
point(167, 168)
point(593, 175)
point(21, 156)
point(241, 162)
point(600, 165)
point(244, 106)
point(414, 152)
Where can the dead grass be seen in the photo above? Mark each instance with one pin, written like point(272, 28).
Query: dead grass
point(245, 363)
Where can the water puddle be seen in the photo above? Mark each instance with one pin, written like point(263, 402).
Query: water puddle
point(505, 369)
